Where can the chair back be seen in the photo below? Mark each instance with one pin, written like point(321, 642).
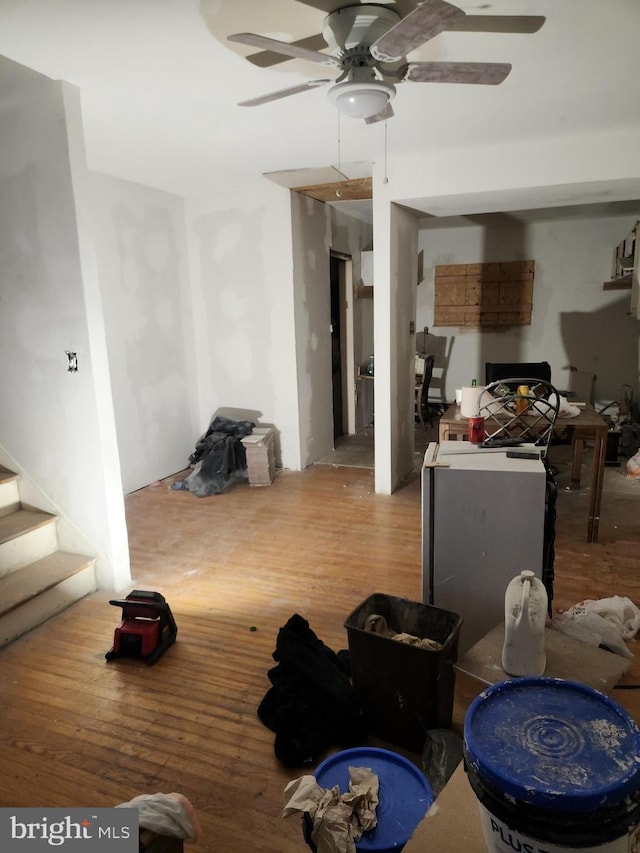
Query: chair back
point(510, 414)
point(496, 371)
point(422, 389)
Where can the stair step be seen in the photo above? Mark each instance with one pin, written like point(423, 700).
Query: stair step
point(22, 521)
point(6, 475)
point(25, 536)
point(9, 494)
point(18, 587)
point(37, 580)
point(41, 590)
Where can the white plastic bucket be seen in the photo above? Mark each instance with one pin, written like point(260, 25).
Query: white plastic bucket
point(555, 766)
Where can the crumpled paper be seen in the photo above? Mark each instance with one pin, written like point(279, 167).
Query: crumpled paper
point(338, 819)
point(607, 622)
point(166, 814)
point(377, 624)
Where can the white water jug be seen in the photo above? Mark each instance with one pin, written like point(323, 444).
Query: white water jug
point(525, 611)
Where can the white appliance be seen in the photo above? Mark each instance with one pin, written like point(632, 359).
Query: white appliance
point(483, 518)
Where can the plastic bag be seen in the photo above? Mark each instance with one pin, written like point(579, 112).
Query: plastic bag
point(166, 814)
point(607, 622)
point(633, 466)
point(441, 754)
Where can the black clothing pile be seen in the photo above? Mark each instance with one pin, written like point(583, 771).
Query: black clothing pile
point(219, 458)
point(311, 705)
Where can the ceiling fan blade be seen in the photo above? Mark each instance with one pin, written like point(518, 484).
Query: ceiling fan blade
point(424, 23)
point(286, 48)
point(524, 24)
point(283, 93)
point(267, 58)
point(385, 113)
point(487, 73)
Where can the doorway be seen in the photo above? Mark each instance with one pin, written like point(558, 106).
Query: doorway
point(342, 349)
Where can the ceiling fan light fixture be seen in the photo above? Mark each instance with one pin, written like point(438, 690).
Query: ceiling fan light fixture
point(363, 99)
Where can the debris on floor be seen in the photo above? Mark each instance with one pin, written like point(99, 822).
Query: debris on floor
point(169, 815)
point(261, 458)
point(219, 458)
point(338, 820)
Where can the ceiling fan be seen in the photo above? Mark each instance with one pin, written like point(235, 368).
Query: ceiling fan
point(368, 43)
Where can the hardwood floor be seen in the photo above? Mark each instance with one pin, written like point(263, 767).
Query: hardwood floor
point(234, 568)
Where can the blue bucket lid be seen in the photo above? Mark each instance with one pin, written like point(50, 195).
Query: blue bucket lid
point(553, 743)
point(404, 792)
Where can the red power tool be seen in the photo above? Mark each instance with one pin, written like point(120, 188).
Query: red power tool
point(147, 628)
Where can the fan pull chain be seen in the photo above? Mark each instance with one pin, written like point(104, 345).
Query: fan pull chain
point(385, 180)
point(339, 191)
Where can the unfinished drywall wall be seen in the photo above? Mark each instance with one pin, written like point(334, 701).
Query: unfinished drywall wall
point(240, 258)
point(351, 236)
point(395, 271)
point(404, 274)
point(574, 323)
point(141, 250)
point(56, 425)
point(310, 222)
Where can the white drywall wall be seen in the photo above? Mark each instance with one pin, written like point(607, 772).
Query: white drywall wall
point(56, 425)
point(311, 237)
point(142, 259)
point(395, 271)
point(240, 257)
point(577, 169)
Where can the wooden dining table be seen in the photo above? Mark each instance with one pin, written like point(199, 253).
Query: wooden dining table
point(587, 426)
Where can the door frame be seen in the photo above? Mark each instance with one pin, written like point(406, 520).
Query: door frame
point(347, 353)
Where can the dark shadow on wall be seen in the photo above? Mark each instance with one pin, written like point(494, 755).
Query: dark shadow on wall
point(440, 347)
point(504, 239)
point(604, 342)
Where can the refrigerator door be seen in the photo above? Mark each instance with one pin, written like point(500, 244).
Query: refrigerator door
point(482, 523)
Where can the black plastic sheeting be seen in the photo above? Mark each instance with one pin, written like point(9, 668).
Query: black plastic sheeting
point(219, 459)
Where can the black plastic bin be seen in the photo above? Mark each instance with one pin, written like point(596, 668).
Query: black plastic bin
point(404, 690)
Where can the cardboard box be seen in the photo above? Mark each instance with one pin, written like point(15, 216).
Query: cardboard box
point(452, 824)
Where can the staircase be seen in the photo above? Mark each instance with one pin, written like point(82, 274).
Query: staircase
point(37, 580)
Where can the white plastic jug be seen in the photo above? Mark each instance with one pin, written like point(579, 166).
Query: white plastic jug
point(525, 610)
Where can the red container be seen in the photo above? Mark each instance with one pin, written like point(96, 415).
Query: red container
point(476, 430)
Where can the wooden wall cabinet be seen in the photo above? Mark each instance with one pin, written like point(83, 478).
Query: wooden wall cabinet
point(491, 295)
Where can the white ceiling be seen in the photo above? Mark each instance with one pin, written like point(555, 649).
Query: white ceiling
point(160, 85)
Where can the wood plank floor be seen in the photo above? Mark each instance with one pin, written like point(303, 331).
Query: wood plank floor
point(77, 730)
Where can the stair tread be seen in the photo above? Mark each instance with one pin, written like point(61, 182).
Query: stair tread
point(22, 520)
point(24, 584)
point(6, 476)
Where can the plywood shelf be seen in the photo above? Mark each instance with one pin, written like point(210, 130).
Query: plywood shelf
point(363, 291)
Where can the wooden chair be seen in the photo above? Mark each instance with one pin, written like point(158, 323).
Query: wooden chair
point(423, 412)
point(497, 371)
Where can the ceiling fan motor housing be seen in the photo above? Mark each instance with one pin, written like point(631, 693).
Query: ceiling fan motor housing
point(355, 26)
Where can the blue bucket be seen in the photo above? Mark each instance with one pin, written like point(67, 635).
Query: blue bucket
point(555, 766)
point(404, 793)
